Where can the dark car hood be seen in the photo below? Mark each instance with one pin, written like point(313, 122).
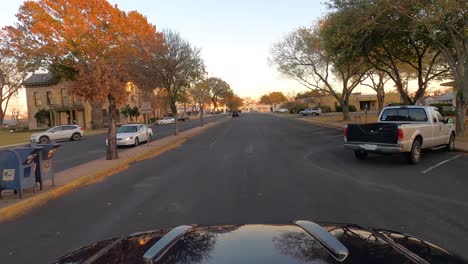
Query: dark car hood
point(265, 244)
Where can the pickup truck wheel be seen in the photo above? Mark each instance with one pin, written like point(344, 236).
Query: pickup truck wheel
point(137, 142)
point(451, 144)
point(415, 155)
point(360, 155)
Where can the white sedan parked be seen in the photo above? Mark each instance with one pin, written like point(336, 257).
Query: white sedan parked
point(66, 132)
point(133, 134)
point(166, 120)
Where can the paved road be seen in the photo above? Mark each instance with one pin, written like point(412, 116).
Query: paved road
point(74, 153)
point(259, 168)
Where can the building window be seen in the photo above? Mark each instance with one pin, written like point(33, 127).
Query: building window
point(76, 99)
point(64, 93)
point(49, 97)
point(37, 99)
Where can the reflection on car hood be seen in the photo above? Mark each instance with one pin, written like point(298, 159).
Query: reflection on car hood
point(266, 244)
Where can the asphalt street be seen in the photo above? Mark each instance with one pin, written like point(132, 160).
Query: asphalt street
point(74, 153)
point(259, 168)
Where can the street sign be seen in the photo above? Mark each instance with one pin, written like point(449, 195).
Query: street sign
point(146, 107)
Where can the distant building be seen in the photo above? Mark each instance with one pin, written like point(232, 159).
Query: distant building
point(256, 107)
point(360, 101)
point(44, 92)
point(447, 99)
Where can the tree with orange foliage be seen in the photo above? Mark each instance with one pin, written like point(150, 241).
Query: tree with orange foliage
point(89, 42)
point(233, 102)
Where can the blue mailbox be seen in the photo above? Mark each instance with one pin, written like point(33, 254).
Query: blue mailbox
point(18, 169)
point(44, 164)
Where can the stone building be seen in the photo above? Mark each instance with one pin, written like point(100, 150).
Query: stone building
point(44, 92)
point(360, 101)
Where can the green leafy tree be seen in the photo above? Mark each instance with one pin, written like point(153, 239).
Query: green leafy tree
point(200, 92)
point(134, 113)
point(218, 90)
point(381, 33)
point(125, 111)
point(377, 80)
point(42, 116)
point(316, 59)
point(444, 25)
point(309, 94)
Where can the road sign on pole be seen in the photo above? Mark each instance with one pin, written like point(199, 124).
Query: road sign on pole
point(146, 107)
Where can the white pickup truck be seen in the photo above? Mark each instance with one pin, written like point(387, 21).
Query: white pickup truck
point(401, 129)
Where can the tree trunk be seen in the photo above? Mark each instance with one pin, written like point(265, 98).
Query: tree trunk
point(176, 118)
point(201, 115)
point(111, 133)
point(345, 109)
point(461, 104)
point(380, 100)
point(96, 115)
point(2, 115)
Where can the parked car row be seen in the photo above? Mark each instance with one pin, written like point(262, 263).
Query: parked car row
point(308, 111)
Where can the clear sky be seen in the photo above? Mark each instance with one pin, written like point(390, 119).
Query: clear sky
point(235, 36)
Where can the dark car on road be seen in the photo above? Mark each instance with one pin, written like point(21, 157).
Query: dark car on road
point(235, 114)
point(299, 242)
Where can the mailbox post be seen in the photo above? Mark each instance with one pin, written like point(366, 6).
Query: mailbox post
point(17, 169)
point(44, 164)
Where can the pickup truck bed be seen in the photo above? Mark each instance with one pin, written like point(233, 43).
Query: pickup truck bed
point(374, 132)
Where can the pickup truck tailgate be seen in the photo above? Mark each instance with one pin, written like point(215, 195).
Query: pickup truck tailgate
point(386, 133)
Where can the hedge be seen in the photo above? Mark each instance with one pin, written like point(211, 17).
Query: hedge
point(325, 108)
point(351, 108)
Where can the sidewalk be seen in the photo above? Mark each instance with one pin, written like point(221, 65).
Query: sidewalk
point(91, 172)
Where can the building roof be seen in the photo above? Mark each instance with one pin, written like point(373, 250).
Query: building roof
point(446, 97)
point(452, 83)
point(40, 79)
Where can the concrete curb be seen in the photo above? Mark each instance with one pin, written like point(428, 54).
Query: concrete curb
point(13, 145)
point(25, 205)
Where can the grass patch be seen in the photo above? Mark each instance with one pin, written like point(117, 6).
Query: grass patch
point(7, 138)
